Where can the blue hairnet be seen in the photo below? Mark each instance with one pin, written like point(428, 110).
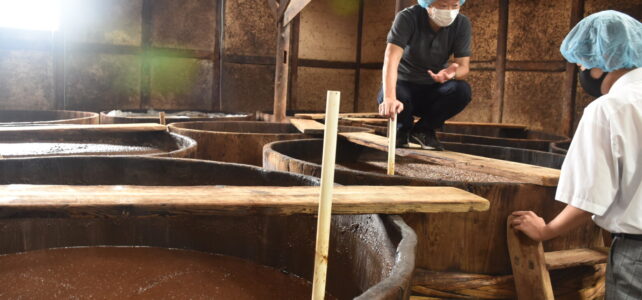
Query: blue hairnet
point(608, 40)
point(426, 3)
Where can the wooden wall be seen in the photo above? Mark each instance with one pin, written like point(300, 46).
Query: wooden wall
point(219, 55)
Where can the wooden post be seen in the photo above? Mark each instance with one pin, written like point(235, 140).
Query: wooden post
point(282, 67)
point(146, 44)
point(392, 140)
point(500, 63)
point(325, 201)
point(357, 74)
point(570, 82)
point(294, 62)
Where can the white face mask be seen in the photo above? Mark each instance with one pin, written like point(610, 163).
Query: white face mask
point(442, 17)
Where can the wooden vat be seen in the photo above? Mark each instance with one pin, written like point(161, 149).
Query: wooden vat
point(560, 147)
point(68, 141)
point(240, 141)
point(495, 134)
point(458, 256)
point(528, 156)
point(371, 256)
point(171, 116)
point(46, 117)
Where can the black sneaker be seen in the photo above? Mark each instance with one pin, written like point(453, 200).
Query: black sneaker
point(402, 139)
point(427, 139)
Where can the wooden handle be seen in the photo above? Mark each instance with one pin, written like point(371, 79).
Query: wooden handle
point(392, 140)
point(325, 201)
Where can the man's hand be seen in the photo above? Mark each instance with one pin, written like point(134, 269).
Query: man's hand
point(390, 107)
point(445, 74)
point(530, 224)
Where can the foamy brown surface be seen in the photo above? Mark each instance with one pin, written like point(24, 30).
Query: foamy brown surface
point(180, 114)
point(54, 148)
point(141, 273)
point(424, 170)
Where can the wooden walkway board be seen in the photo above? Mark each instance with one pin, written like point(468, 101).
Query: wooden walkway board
point(308, 126)
point(82, 201)
point(374, 117)
point(518, 171)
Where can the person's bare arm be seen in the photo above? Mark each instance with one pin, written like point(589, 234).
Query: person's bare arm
point(390, 105)
point(464, 67)
point(457, 70)
point(533, 226)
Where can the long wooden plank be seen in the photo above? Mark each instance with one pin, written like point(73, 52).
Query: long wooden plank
point(135, 127)
point(295, 7)
point(375, 118)
point(576, 257)
point(320, 116)
point(532, 280)
point(518, 171)
point(307, 126)
point(83, 201)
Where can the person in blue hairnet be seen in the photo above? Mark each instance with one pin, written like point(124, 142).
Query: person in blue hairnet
point(602, 173)
point(417, 77)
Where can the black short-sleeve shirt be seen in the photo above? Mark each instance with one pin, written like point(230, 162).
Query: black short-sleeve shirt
point(425, 49)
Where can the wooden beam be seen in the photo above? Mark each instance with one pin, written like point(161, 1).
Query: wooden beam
point(307, 126)
point(357, 75)
point(570, 77)
point(145, 66)
point(20, 201)
point(500, 64)
point(294, 63)
point(283, 5)
point(217, 60)
point(281, 72)
point(293, 10)
point(535, 66)
point(532, 280)
point(519, 172)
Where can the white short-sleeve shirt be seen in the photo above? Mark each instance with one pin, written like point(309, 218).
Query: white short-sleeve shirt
point(602, 172)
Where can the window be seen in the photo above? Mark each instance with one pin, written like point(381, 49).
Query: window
point(30, 14)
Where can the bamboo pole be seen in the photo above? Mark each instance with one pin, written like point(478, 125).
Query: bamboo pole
point(325, 201)
point(392, 140)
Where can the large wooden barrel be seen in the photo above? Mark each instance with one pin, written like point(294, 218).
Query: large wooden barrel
point(171, 116)
point(46, 117)
point(527, 156)
point(240, 141)
point(371, 256)
point(459, 255)
point(51, 141)
point(494, 134)
point(560, 147)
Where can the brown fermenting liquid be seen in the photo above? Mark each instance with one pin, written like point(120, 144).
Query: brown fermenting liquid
point(56, 148)
point(141, 273)
point(424, 170)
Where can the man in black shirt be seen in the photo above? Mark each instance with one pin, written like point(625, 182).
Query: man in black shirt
point(417, 80)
